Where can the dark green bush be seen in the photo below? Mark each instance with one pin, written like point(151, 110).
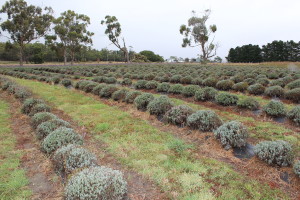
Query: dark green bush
point(232, 134)
point(186, 80)
point(119, 95)
point(210, 82)
point(248, 103)
point(274, 91)
point(160, 105)
point(110, 80)
point(240, 87)
point(96, 90)
point(293, 95)
point(206, 94)
point(190, 90)
point(130, 96)
point(142, 101)
point(250, 81)
point(45, 128)
point(41, 117)
point(126, 81)
point(256, 89)
point(60, 137)
point(175, 79)
point(175, 89)
point(204, 120)
point(178, 115)
point(151, 85)
point(56, 80)
point(294, 84)
point(96, 183)
point(294, 115)
point(66, 82)
point(225, 85)
point(275, 109)
point(90, 86)
point(275, 152)
point(263, 81)
point(227, 99)
point(163, 87)
point(29, 104)
point(107, 91)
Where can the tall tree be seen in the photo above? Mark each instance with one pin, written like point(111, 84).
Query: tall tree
point(197, 33)
point(25, 23)
point(113, 31)
point(71, 29)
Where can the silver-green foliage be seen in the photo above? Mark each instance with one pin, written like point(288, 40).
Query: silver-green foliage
point(275, 108)
point(163, 87)
point(47, 127)
point(248, 103)
point(160, 105)
point(60, 137)
point(232, 134)
point(206, 94)
point(226, 99)
point(297, 168)
point(41, 117)
point(204, 120)
point(274, 152)
point(29, 103)
point(96, 183)
point(130, 96)
point(40, 107)
point(142, 101)
point(294, 115)
point(189, 90)
point(178, 115)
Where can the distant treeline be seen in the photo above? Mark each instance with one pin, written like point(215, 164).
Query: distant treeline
point(275, 51)
point(40, 53)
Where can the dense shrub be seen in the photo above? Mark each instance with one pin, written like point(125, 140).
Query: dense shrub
point(274, 152)
point(98, 79)
point(55, 80)
point(81, 84)
point(297, 168)
point(96, 183)
point(250, 81)
point(226, 99)
point(190, 90)
point(60, 137)
point(149, 77)
point(275, 109)
point(274, 91)
point(119, 95)
point(90, 86)
point(107, 91)
point(40, 107)
point(240, 87)
point(294, 115)
point(66, 82)
point(256, 89)
point(22, 93)
point(186, 80)
point(263, 81)
point(293, 95)
point(131, 95)
point(151, 85)
point(41, 117)
point(109, 80)
point(140, 84)
point(248, 103)
point(28, 105)
point(175, 89)
point(96, 90)
point(45, 128)
point(232, 134)
point(204, 120)
point(71, 157)
point(160, 105)
point(278, 82)
point(225, 85)
point(163, 87)
point(206, 94)
point(126, 81)
point(294, 84)
point(178, 115)
point(210, 82)
point(175, 79)
point(142, 101)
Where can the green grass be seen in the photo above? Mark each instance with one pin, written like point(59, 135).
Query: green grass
point(153, 153)
point(13, 181)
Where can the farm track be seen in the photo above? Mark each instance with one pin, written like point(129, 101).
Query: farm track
point(43, 182)
point(253, 168)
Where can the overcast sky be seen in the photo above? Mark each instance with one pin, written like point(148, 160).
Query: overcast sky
point(154, 24)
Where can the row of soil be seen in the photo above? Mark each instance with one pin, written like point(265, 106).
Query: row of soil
point(205, 147)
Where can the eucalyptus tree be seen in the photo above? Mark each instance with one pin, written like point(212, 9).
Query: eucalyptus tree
point(197, 33)
point(70, 34)
point(113, 30)
point(25, 23)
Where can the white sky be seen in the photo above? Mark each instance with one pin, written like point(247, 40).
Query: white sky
point(154, 24)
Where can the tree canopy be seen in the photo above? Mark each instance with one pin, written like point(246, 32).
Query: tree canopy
point(151, 56)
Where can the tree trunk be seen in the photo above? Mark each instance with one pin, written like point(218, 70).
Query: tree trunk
point(21, 54)
point(72, 58)
point(126, 55)
point(65, 57)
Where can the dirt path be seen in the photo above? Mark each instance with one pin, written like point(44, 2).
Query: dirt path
point(206, 146)
point(43, 182)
